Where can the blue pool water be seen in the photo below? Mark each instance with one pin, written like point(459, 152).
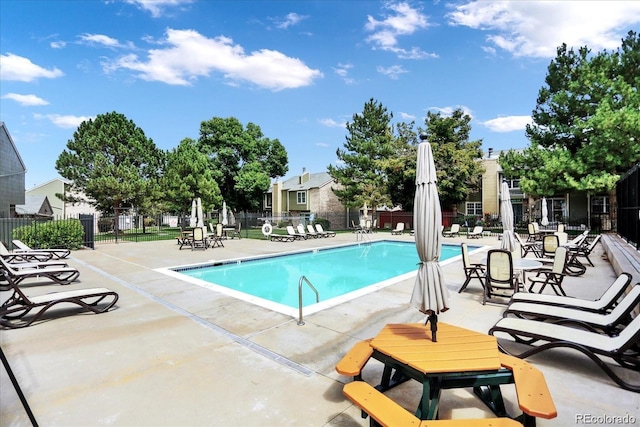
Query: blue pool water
point(334, 272)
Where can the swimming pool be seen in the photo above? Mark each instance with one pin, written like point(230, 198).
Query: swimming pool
point(338, 273)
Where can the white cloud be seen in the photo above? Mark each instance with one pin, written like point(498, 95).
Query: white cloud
point(57, 44)
point(289, 20)
point(19, 68)
point(26, 100)
point(332, 123)
point(188, 55)
point(322, 144)
point(407, 116)
point(392, 72)
point(447, 111)
point(537, 28)
point(101, 39)
point(403, 20)
point(65, 122)
point(342, 70)
point(158, 7)
point(508, 124)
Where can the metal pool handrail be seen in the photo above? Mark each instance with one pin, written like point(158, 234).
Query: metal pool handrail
point(304, 279)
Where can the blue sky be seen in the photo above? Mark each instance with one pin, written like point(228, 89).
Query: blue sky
point(298, 69)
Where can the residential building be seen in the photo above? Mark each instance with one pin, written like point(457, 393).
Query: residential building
point(60, 187)
point(573, 208)
point(12, 175)
point(303, 196)
point(35, 206)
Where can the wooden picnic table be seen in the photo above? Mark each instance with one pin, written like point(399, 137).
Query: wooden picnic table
point(460, 358)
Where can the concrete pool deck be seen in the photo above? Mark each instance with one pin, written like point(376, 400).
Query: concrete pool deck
point(175, 354)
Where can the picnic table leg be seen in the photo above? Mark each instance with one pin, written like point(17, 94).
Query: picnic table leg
point(491, 395)
point(428, 407)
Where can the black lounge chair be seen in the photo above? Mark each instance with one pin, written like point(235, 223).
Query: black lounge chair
point(623, 348)
point(14, 310)
point(14, 275)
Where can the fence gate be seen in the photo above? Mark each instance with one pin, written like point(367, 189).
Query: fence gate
point(87, 221)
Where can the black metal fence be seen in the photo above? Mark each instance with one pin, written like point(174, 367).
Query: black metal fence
point(628, 195)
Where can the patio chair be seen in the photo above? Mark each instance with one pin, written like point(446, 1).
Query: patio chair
point(60, 275)
point(14, 309)
point(533, 235)
point(583, 251)
point(551, 276)
point(471, 270)
point(528, 247)
point(500, 279)
point(563, 238)
point(454, 231)
point(232, 234)
point(476, 233)
point(293, 233)
point(622, 348)
point(324, 233)
point(609, 323)
point(23, 256)
point(601, 305)
point(550, 243)
point(215, 240)
point(560, 227)
point(198, 240)
point(56, 253)
point(399, 229)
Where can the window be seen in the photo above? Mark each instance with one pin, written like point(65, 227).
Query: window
point(302, 197)
point(269, 200)
point(474, 208)
point(600, 204)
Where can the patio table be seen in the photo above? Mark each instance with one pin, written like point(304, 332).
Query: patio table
point(460, 358)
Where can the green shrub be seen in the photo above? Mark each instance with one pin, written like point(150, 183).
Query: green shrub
point(65, 233)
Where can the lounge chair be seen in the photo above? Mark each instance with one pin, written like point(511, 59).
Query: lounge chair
point(610, 323)
point(312, 232)
point(60, 275)
point(453, 231)
point(622, 348)
point(23, 256)
point(551, 276)
point(471, 271)
point(13, 310)
point(399, 229)
point(476, 233)
point(583, 251)
point(603, 304)
point(293, 233)
point(323, 233)
point(500, 279)
point(300, 230)
point(235, 232)
point(56, 253)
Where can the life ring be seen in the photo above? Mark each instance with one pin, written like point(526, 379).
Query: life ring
point(267, 229)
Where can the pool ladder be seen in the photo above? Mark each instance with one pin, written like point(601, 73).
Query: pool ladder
point(304, 279)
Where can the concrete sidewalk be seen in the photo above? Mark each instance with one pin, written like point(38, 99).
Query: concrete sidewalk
point(175, 354)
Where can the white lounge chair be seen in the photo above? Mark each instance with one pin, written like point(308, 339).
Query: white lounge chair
point(399, 229)
point(476, 233)
point(312, 232)
point(453, 231)
point(293, 233)
point(610, 323)
point(324, 233)
point(300, 230)
point(57, 253)
point(603, 304)
point(621, 348)
point(23, 256)
point(60, 275)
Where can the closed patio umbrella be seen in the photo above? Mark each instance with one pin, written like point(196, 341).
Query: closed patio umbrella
point(430, 296)
point(200, 215)
point(506, 214)
point(545, 213)
point(225, 219)
point(193, 218)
